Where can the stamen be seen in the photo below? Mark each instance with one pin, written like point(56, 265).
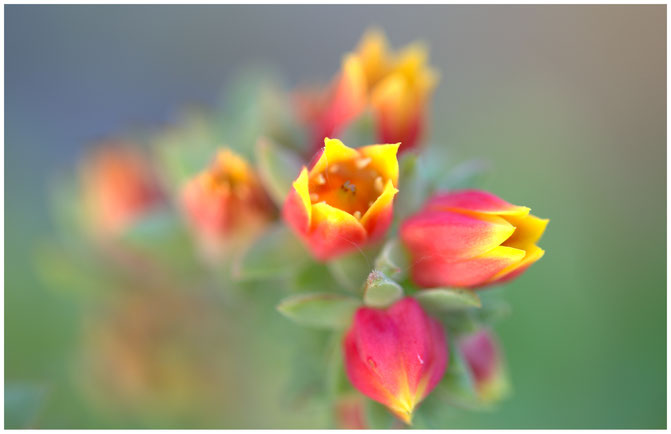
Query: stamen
point(370, 203)
point(321, 180)
point(378, 185)
point(314, 197)
point(357, 215)
point(333, 168)
point(362, 162)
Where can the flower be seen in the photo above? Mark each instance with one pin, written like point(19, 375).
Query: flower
point(483, 358)
point(396, 87)
point(119, 187)
point(345, 200)
point(225, 204)
point(469, 239)
point(395, 356)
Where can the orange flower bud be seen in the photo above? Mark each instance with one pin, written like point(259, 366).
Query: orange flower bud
point(119, 186)
point(396, 356)
point(226, 204)
point(397, 88)
point(345, 200)
point(471, 238)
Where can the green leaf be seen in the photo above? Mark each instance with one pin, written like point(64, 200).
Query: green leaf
point(413, 187)
point(162, 236)
point(351, 270)
point(319, 310)
point(314, 276)
point(23, 402)
point(442, 299)
point(380, 291)
point(464, 175)
point(276, 254)
point(278, 168)
point(393, 260)
point(361, 131)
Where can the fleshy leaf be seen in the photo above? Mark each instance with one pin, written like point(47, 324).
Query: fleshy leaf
point(278, 168)
point(413, 187)
point(277, 253)
point(392, 260)
point(321, 310)
point(351, 270)
point(380, 291)
point(442, 299)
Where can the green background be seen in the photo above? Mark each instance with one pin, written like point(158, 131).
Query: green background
point(567, 103)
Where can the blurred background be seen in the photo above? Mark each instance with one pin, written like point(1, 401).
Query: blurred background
point(567, 103)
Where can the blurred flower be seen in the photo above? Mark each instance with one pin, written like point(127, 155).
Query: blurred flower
point(226, 204)
point(119, 186)
point(345, 200)
point(471, 238)
point(483, 358)
point(396, 87)
point(350, 412)
point(395, 356)
point(158, 350)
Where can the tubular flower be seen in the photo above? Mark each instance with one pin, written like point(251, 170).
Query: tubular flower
point(395, 356)
point(483, 358)
point(119, 187)
point(226, 203)
point(396, 87)
point(345, 200)
point(470, 239)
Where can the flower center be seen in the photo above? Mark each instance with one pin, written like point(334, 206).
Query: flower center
point(351, 186)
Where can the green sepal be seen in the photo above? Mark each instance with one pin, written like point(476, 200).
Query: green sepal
point(275, 254)
point(278, 168)
point(380, 291)
point(444, 299)
point(320, 310)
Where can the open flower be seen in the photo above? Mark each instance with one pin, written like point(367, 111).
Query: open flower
point(396, 87)
point(345, 200)
point(119, 187)
point(483, 358)
point(226, 204)
point(469, 239)
point(395, 356)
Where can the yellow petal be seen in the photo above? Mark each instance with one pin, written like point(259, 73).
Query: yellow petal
point(529, 229)
point(301, 187)
point(381, 205)
point(334, 152)
point(383, 160)
point(372, 51)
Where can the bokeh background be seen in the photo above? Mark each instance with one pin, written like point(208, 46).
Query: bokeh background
point(566, 102)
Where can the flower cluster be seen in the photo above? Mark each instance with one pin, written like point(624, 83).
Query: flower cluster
point(356, 238)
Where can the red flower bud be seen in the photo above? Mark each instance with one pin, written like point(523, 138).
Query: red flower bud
point(395, 356)
point(471, 238)
point(483, 358)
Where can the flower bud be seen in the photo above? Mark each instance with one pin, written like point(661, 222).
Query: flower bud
point(483, 358)
point(395, 356)
point(225, 204)
point(345, 200)
point(119, 186)
point(396, 87)
point(470, 239)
